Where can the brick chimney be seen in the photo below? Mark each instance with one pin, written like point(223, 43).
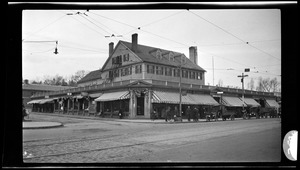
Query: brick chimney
point(134, 43)
point(111, 48)
point(193, 54)
point(26, 81)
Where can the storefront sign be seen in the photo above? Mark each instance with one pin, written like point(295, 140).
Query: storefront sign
point(84, 94)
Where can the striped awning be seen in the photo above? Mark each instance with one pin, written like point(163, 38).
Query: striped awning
point(232, 101)
point(120, 95)
point(250, 102)
point(170, 97)
point(272, 103)
point(203, 99)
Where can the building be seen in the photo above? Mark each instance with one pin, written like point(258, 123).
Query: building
point(29, 90)
point(139, 79)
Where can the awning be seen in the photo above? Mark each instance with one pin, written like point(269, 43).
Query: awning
point(250, 102)
point(203, 99)
point(78, 96)
point(272, 103)
point(95, 95)
point(232, 101)
point(169, 97)
point(34, 101)
point(114, 96)
point(47, 101)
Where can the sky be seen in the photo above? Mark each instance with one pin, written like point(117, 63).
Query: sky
point(228, 40)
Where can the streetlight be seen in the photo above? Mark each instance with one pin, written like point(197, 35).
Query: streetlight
point(221, 99)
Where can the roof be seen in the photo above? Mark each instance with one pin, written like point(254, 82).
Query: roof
point(44, 87)
point(93, 75)
point(144, 53)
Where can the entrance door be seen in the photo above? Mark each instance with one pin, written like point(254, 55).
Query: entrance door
point(140, 105)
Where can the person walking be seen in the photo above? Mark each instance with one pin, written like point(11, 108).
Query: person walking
point(188, 112)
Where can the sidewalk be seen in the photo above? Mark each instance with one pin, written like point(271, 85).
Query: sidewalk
point(27, 124)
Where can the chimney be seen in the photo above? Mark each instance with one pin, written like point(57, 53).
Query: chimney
point(193, 54)
point(134, 43)
point(26, 81)
point(111, 48)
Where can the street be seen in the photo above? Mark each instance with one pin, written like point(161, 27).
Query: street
point(98, 141)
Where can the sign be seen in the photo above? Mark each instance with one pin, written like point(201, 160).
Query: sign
point(46, 97)
point(184, 93)
point(247, 69)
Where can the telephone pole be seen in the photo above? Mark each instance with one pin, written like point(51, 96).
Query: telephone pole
point(242, 80)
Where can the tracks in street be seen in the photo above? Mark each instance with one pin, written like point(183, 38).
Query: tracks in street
point(128, 140)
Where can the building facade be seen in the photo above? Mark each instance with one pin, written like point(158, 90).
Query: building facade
point(138, 79)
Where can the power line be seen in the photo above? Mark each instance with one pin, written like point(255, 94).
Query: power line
point(232, 35)
point(161, 19)
point(45, 26)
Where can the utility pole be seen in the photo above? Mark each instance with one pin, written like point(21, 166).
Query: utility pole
point(242, 80)
point(213, 70)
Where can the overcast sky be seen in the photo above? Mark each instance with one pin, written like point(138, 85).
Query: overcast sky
point(234, 39)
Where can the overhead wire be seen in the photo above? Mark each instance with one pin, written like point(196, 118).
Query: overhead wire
point(233, 35)
point(44, 27)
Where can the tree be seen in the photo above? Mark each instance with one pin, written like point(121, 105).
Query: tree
point(250, 85)
point(220, 83)
point(77, 76)
point(268, 85)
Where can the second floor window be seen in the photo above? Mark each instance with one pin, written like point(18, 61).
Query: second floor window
point(138, 69)
point(159, 70)
point(168, 71)
point(176, 73)
point(126, 57)
point(150, 69)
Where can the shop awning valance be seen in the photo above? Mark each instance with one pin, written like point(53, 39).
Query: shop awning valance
point(95, 95)
point(47, 101)
point(232, 101)
point(203, 99)
point(170, 97)
point(251, 102)
point(272, 103)
point(113, 96)
point(34, 101)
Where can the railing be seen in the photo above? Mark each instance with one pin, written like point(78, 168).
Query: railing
point(154, 82)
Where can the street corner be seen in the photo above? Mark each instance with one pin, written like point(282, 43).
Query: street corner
point(41, 125)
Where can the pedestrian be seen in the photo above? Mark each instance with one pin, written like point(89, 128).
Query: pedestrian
point(168, 114)
point(195, 114)
point(176, 113)
point(188, 112)
point(120, 113)
point(164, 114)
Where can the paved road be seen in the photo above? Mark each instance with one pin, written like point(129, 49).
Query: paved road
point(85, 141)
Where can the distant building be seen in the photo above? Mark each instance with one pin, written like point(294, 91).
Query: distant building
point(139, 79)
point(29, 90)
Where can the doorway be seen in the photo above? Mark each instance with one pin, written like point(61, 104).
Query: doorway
point(140, 105)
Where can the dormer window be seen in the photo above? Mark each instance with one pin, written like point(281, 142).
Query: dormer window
point(158, 54)
point(171, 56)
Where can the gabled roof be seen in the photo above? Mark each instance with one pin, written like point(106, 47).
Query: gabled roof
point(146, 54)
point(44, 87)
point(93, 75)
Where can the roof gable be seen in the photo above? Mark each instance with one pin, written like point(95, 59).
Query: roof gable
point(148, 54)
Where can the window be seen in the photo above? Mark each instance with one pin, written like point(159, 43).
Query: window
point(192, 75)
point(116, 73)
point(185, 74)
point(176, 73)
point(117, 60)
point(150, 69)
point(168, 71)
point(110, 74)
point(159, 70)
point(199, 76)
point(126, 57)
point(122, 72)
point(138, 69)
point(158, 54)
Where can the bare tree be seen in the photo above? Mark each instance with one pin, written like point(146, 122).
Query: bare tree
point(220, 83)
point(267, 85)
point(250, 85)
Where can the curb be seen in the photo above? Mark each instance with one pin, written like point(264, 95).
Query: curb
point(44, 127)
